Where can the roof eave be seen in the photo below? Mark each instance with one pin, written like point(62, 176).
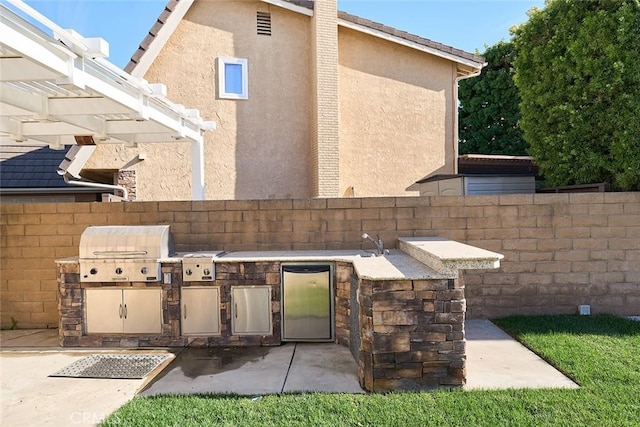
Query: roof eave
point(174, 12)
point(50, 190)
point(292, 6)
point(473, 65)
point(152, 44)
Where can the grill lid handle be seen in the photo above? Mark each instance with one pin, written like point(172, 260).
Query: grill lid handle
point(120, 252)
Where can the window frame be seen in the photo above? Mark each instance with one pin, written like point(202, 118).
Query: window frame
point(222, 61)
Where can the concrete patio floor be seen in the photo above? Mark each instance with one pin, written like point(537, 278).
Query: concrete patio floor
point(497, 361)
point(31, 398)
point(292, 367)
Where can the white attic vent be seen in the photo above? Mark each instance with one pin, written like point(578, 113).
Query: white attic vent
point(264, 23)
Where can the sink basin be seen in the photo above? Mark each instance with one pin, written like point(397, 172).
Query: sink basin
point(366, 254)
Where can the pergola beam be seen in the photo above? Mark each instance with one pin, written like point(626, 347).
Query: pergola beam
point(29, 48)
point(20, 69)
point(51, 91)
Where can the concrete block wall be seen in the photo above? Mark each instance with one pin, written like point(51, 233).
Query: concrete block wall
point(561, 250)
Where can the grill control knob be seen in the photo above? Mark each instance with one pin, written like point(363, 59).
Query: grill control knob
point(144, 270)
point(189, 272)
point(207, 272)
point(93, 271)
point(118, 270)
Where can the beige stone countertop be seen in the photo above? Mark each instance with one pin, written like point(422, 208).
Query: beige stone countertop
point(69, 260)
point(448, 256)
point(180, 255)
point(396, 265)
point(75, 259)
point(418, 258)
point(286, 256)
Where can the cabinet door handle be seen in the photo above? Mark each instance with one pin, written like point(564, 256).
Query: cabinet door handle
point(236, 310)
point(125, 311)
point(120, 311)
point(185, 311)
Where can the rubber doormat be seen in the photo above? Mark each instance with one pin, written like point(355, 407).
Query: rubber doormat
point(117, 366)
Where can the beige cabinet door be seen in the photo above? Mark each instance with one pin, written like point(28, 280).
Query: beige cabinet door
point(104, 311)
point(251, 310)
point(142, 311)
point(200, 310)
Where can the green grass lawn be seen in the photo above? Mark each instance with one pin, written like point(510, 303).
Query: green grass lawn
point(601, 353)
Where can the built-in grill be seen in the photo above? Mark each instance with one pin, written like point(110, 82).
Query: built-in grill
point(124, 253)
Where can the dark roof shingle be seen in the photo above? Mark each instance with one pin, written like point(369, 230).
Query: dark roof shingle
point(28, 166)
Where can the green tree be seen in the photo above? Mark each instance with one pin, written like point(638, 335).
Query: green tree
point(578, 73)
point(489, 107)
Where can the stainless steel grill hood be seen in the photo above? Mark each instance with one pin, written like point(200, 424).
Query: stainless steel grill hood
point(123, 253)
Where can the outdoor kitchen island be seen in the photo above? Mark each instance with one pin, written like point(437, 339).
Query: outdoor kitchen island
point(401, 314)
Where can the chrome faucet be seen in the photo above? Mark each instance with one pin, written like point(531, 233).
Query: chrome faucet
point(378, 242)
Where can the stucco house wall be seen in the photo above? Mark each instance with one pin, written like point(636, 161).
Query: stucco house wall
point(369, 121)
point(396, 120)
point(260, 149)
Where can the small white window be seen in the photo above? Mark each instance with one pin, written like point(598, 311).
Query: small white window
point(233, 81)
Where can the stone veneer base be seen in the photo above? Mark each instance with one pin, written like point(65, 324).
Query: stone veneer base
point(410, 332)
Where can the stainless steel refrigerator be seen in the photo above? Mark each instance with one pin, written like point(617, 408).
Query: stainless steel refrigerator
point(307, 302)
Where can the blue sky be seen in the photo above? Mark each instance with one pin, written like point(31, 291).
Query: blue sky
point(464, 24)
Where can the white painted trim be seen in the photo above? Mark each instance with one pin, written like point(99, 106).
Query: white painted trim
point(290, 6)
point(158, 42)
point(221, 61)
point(90, 184)
point(409, 43)
point(456, 118)
point(494, 157)
point(75, 159)
point(197, 171)
point(50, 59)
point(147, 115)
point(72, 39)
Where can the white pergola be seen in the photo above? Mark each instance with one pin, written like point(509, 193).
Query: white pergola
point(58, 90)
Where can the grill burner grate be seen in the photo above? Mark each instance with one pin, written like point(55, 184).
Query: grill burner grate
point(118, 366)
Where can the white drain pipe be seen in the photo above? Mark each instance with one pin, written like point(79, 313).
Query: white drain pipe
point(120, 188)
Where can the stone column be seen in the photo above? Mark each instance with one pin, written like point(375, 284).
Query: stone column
point(70, 305)
point(412, 334)
point(127, 179)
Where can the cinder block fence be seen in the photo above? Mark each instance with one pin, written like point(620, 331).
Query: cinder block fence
point(561, 250)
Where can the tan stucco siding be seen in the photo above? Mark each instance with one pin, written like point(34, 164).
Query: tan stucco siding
point(261, 147)
point(164, 174)
point(396, 115)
